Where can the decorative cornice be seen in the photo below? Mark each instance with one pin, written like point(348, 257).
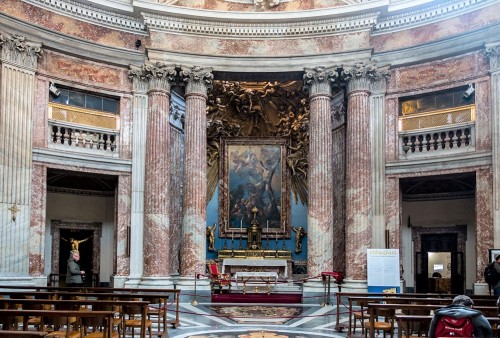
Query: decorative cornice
point(256, 29)
point(319, 80)
point(197, 79)
point(438, 11)
point(92, 15)
point(492, 51)
point(16, 50)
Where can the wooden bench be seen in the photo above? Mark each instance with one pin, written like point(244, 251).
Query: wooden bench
point(83, 302)
point(404, 309)
point(107, 315)
point(176, 294)
point(22, 334)
point(339, 295)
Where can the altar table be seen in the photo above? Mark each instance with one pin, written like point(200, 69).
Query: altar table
point(254, 265)
point(264, 276)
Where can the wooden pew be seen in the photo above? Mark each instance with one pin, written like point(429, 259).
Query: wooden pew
point(176, 294)
point(373, 307)
point(339, 326)
point(80, 302)
point(108, 315)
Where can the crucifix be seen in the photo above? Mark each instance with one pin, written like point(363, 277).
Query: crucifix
point(14, 209)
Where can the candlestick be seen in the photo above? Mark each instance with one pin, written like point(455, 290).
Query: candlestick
point(241, 224)
point(267, 226)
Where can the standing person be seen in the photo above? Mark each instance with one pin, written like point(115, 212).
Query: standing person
point(74, 273)
point(460, 320)
point(496, 286)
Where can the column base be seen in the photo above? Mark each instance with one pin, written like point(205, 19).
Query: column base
point(352, 285)
point(23, 281)
point(118, 281)
point(194, 290)
point(481, 289)
point(157, 282)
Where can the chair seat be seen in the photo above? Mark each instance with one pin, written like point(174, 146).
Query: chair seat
point(379, 326)
point(101, 335)
point(137, 322)
point(62, 334)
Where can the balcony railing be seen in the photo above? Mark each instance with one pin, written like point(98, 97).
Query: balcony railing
point(436, 141)
point(76, 129)
point(435, 133)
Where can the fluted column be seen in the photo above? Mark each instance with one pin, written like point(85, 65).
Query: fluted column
point(136, 226)
point(358, 175)
point(193, 251)
point(377, 153)
point(318, 82)
point(19, 62)
point(493, 52)
point(157, 181)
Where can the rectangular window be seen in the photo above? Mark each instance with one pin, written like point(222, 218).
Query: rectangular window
point(82, 99)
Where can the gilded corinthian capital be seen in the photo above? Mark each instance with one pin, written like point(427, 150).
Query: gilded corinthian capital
point(319, 80)
point(197, 79)
point(17, 50)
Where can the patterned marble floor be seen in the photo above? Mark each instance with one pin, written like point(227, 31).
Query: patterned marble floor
point(300, 320)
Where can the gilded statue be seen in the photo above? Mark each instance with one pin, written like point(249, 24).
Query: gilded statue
point(211, 236)
point(300, 233)
point(75, 244)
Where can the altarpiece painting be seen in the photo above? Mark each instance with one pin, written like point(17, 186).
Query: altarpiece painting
point(254, 180)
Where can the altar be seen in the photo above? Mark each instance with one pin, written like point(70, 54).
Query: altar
point(235, 265)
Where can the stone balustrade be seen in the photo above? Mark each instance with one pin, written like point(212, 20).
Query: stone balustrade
point(67, 136)
point(437, 141)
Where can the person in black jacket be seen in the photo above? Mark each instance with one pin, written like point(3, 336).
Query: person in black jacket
point(462, 307)
point(496, 287)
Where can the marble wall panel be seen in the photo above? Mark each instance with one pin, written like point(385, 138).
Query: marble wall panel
point(176, 183)
point(40, 116)
point(440, 72)
point(69, 26)
point(259, 47)
point(483, 115)
point(391, 128)
point(123, 214)
point(126, 106)
point(484, 219)
point(438, 30)
point(37, 220)
point(85, 71)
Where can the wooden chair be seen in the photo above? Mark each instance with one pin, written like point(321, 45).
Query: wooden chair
point(360, 315)
point(132, 318)
point(218, 280)
point(94, 327)
point(386, 326)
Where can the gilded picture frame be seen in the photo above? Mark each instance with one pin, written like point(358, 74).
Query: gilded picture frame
point(253, 173)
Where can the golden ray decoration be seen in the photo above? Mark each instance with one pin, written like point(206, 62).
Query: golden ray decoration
point(260, 109)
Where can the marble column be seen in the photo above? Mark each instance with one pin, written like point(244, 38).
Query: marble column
point(377, 153)
point(157, 181)
point(318, 82)
point(135, 228)
point(493, 52)
point(19, 62)
point(193, 251)
point(358, 173)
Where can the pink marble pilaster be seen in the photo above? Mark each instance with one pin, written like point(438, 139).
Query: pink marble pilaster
point(320, 183)
point(483, 115)
point(123, 212)
point(37, 220)
point(157, 180)
point(40, 113)
point(484, 219)
point(193, 251)
point(393, 211)
point(125, 141)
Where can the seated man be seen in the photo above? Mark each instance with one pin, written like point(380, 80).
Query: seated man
point(459, 320)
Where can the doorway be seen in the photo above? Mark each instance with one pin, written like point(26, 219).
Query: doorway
point(439, 264)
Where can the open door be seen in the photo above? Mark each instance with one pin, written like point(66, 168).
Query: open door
point(421, 262)
point(457, 273)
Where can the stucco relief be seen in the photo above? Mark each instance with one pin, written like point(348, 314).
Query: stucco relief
point(258, 5)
